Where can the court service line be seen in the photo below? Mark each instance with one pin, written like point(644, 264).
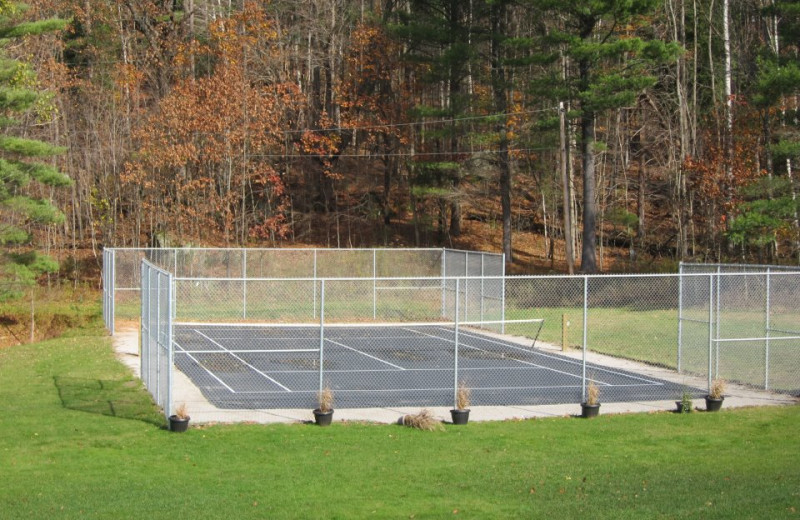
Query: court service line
point(244, 362)
point(184, 351)
point(594, 366)
point(365, 354)
point(506, 345)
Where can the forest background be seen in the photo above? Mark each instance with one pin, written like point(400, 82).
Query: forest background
point(591, 135)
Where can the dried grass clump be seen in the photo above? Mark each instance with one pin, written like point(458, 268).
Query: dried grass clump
point(181, 412)
point(462, 396)
point(592, 394)
point(717, 390)
point(424, 420)
point(325, 398)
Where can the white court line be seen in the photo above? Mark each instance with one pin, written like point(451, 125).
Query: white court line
point(564, 359)
point(203, 367)
point(243, 361)
point(506, 345)
point(253, 351)
point(445, 388)
point(365, 354)
point(356, 370)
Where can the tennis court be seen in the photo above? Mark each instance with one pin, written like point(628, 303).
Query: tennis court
point(410, 364)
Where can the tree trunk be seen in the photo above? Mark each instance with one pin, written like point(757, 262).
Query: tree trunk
point(568, 240)
point(589, 251)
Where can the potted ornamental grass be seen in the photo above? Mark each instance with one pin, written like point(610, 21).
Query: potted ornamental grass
point(716, 394)
point(179, 421)
point(591, 407)
point(460, 413)
point(323, 414)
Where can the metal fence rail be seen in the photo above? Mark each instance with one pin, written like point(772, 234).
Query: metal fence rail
point(122, 279)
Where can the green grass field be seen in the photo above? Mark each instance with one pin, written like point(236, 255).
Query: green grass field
point(79, 438)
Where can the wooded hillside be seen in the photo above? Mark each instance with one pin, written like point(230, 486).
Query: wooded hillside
point(666, 128)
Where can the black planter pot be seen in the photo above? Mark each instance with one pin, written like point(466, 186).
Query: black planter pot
point(713, 405)
point(679, 407)
point(178, 425)
point(589, 410)
point(323, 418)
point(459, 416)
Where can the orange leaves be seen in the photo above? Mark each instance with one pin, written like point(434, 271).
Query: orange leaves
point(209, 147)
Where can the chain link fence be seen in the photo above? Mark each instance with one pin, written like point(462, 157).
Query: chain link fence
point(156, 334)
point(248, 342)
point(740, 323)
point(122, 278)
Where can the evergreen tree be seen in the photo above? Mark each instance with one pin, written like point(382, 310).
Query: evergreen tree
point(441, 39)
point(22, 165)
point(613, 61)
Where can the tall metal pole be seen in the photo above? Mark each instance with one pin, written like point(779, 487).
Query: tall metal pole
point(443, 271)
point(585, 333)
point(466, 287)
point(168, 340)
point(314, 307)
point(716, 328)
point(503, 296)
point(766, 335)
point(455, 352)
point(113, 287)
point(710, 324)
point(680, 315)
point(244, 283)
point(321, 332)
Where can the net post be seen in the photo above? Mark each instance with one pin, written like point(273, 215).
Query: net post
point(585, 333)
point(766, 332)
point(455, 351)
point(374, 285)
point(321, 332)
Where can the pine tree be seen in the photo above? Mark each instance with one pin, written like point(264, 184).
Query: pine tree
point(613, 64)
point(770, 208)
point(440, 37)
point(22, 165)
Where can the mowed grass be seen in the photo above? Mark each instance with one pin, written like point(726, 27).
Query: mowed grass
point(79, 438)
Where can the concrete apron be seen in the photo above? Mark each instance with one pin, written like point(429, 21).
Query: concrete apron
point(126, 346)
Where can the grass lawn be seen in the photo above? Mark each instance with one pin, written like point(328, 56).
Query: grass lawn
point(79, 438)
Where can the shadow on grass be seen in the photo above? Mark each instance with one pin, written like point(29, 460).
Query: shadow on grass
point(123, 399)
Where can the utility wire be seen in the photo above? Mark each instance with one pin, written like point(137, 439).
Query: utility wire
point(398, 154)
